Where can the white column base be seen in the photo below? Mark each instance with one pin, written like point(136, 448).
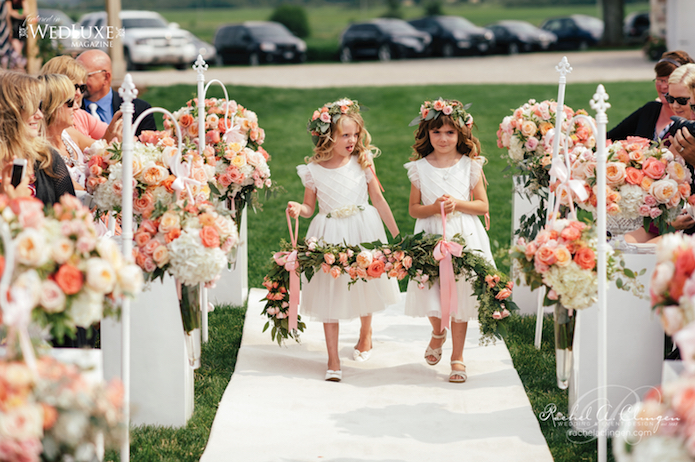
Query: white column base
point(233, 286)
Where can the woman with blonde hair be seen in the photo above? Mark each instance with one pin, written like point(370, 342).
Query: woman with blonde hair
point(85, 123)
point(46, 175)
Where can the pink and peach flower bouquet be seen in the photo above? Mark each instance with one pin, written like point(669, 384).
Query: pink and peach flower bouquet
point(70, 276)
point(642, 180)
point(408, 257)
point(193, 242)
point(235, 161)
point(562, 258)
point(56, 414)
point(153, 174)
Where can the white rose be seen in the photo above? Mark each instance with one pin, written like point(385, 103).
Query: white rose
point(516, 151)
point(62, 249)
point(22, 422)
point(52, 298)
point(31, 282)
point(108, 250)
point(130, 279)
point(667, 245)
point(100, 275)
point(664, 190)
point(87, 308)
point(31, 248)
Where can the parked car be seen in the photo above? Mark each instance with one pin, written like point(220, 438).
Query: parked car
point(515, 36)
point(256, 42)
point(577, 31)
point(148, 39)
point(452, 35)
point(636, 27)
point(205, 49)
point(384, 39)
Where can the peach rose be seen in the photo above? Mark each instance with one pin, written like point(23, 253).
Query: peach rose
point(615, 173)
point(169, 221)
point(563, 257)
point(144, 204)
point(634, 176)
point(172, 235)
point(503, 294)
point(663, 190)
point(154, 174)
point(186, 120)
point(528, 128)
point(161, 256)
point(544, 127)
point(329, 258)
point(375, 269)
point(676, 171)
point(646, 183)
point(571, 233)
point(142, 238)
point(653, 168)
point(364, 259)
point(69, 279)
point(545, 256)
point(585, 258)
point(210, 237)
point(335, 272)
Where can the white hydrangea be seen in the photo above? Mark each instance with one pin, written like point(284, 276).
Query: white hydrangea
point(577, 287)
point(190, 262)
point(630, 200)
point(516, 149)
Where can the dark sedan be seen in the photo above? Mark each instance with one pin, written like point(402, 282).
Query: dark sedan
point(256, 42)
point(575, 32)
point(452, 35)
point(383, 39)
point(520, 36)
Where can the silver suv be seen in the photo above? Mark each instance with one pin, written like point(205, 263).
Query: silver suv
point(148, 39)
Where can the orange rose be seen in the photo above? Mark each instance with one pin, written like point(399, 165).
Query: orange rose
point(544, 127)
point(172, 235)
point(546, 256)
point(585, 258)
point(50, 416)
point(376, 269)
point(186, 120)
point(570, 233)
point(684, 189)
point(653, 168)
point(210, 237)
point(634, 176)
point(206, 219)
point(646, 183)
point(69, 279)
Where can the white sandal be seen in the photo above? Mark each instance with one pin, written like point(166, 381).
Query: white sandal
point(334, 376)
point(458, 376)
point(436, 352)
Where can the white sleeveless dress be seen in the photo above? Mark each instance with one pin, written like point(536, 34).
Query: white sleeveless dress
point(338, 191)
point(457, 181)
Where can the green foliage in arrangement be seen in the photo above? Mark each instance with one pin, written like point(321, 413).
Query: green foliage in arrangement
point(294, 17)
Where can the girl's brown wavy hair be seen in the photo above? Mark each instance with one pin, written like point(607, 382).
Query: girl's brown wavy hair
point(467, 144)
point(324, 146)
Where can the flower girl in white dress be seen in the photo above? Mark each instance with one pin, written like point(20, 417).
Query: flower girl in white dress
point(340, 176)
point(447, 169)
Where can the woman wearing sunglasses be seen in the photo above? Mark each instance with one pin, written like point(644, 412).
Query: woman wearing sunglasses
point(650, 120)
point(59, 106)
point(85, 123)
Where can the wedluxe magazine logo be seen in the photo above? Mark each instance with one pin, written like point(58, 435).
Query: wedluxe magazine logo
point(78, 36)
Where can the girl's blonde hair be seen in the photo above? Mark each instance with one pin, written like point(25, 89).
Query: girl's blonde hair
point(467, 144)
point(58, 90)
point(324, 145)
point(20, 96)
point(66, 65)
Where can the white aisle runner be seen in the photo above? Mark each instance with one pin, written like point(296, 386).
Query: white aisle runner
point(392, 408)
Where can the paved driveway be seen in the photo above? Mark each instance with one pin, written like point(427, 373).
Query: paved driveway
point(599, 66)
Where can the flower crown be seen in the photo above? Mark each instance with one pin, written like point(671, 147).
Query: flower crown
point(323, 117)
point(454, 109)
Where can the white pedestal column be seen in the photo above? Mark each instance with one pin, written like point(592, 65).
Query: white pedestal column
point(161, 381)
point(233, 286)
point(635, 353)
point(524, 297)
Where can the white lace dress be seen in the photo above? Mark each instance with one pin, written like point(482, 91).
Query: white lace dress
point(342, 193)
point(457, 181)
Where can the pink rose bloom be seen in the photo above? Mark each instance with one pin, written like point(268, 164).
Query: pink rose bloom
point(228, 244)
point(503, 294)
point(497, 315)
point(224, 180)
point(236, 176)
point(653, 168)
point(438, 105)
point(95, 170)
point(672, 319)
point(329, 258)
point(644, 210)
point(29, 211)
point(315, 115)
point(570, 233)
point(447, 110)
point(649, 200)
point(149, 248)
point(212, 137)
point(505, 313)
point(615, 173)
point(342, 258)
point(335, 272)
point(490, 281)
point(326, 268)
point(407, 262)
point(142, 238)
point(531, 144)
point(655, 212)
point(552, 295)
point(325, 117)
point(530, 250)
point(540, 267)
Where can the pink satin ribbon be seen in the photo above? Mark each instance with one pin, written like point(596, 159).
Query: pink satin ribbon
point(443, 253)
point(289, 261)
point(371, 166)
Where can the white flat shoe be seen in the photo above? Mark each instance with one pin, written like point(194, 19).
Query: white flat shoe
point(361, 356)
point(334, 376)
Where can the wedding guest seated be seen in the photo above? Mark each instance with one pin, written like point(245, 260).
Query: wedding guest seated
point(85, 123)
point(46, 175)
point(650, 120)
point(100, 99)
point(679, 99)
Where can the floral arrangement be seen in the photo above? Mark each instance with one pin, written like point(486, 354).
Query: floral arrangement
point(528, 135)
point(235, 162)
point(431, 110)
point(191, 241)
point(643, 179)
point(409, 257)
point(56, 414)
point(661, 427)
point(562, 258)
point(71, 276)
point(322, 118)
point(154, 173)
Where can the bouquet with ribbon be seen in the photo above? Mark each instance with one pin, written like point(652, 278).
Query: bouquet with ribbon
point(234, 160)
point(160, 174)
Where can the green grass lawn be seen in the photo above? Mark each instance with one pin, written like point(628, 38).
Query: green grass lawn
point(283, 114)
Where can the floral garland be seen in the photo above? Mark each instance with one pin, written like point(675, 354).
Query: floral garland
point(56, 414)
point(410, 257)
point(235, 162)
point(643, 179)
point(562, 258)
point(72, 277)
point(431, 110)
point(329, 113)
point(191, 241)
